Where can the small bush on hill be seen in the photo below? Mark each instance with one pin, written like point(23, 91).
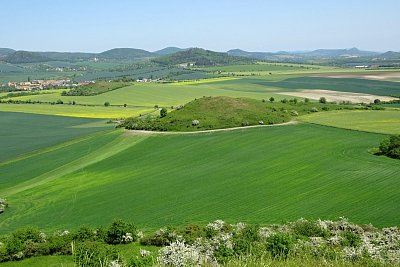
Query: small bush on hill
point(163, 112)
point(322, 100)
point(3, 205)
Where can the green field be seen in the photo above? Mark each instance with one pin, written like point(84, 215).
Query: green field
point(381, 121)
point(257, 175)
point(27, 132)
point(99, 112)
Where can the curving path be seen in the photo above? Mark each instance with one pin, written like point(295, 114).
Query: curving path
point(143, 132)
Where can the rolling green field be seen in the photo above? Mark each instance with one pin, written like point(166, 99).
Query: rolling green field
point(27, 132)
point(381, 121)
point(267, 175)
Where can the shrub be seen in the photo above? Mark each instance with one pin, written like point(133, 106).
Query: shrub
point(391, 147)
point(85, 233)
point(377, 101)
point(308, 228)
point(271, 99)
point(120, 232)
point(306, 100)
point(279, 245)
point(192, 232)
point(223, 254)
point(106, 104)
point(351, 239)
point(325, 108)
point(161, 237)
point(59, 102)
point(284, 100)
point(314, 109)
point(163, 112)
point(322, 100)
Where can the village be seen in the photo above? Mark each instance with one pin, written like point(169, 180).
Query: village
point(43, 84)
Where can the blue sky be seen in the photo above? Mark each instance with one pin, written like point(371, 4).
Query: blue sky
point(220, 25)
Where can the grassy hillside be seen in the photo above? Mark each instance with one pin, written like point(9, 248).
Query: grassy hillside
point(264, 175)
point(21, 133)
point(125, 53)
point(212, 113)
point(209, 113)
point(200, 57)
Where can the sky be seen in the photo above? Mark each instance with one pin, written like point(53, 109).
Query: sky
point(219, 25)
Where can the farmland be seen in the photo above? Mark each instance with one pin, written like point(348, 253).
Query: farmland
point(386, 122)
point(292, 169)
point(27, 132)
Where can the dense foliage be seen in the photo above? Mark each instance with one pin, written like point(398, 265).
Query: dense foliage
point(96, 88)
point(391, 147)
point(216, 244)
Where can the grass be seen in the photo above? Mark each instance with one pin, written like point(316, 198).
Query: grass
point(22, 133)
point(262, 175)
point(48, 261)
point(377, 121)
point(99, 112)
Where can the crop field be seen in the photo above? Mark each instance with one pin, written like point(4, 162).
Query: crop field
point(99, 112)
point(266, 175)
point(381, 121)
point(27, 132)
point(384, 88)
point(265, 68)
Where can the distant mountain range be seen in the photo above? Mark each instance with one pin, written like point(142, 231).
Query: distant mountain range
point(319, 53)
point(176, 55)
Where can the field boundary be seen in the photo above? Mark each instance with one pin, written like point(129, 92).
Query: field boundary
point(144, 132)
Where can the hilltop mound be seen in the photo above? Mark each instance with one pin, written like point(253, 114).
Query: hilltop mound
point(125, 53)
point(200, 57)
point(212, 113)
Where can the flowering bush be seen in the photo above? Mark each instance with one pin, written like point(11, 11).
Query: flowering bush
point(180, 254)
point(120, 232)
point(3, 205)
